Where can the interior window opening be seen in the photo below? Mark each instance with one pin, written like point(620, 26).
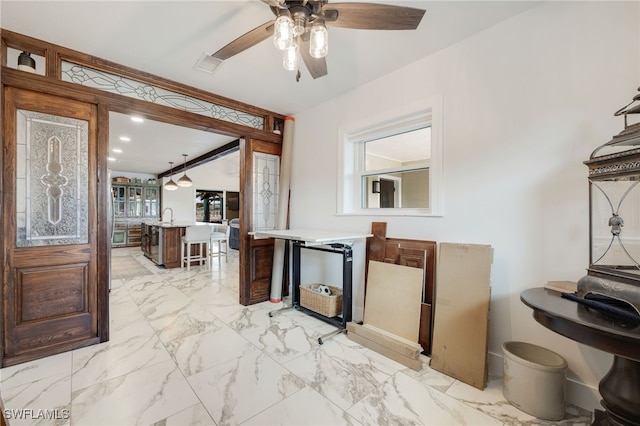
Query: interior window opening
point(392, 164)
point(396, 170)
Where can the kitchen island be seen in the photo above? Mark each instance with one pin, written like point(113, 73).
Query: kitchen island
point(161, 241)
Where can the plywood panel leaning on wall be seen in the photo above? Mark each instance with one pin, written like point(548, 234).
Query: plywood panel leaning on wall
point(414, 253)
point(393, 299)
point(459, 347)
point(392, 313)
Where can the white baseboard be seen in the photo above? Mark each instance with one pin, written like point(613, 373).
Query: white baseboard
point(578, 394)
point(495, 364)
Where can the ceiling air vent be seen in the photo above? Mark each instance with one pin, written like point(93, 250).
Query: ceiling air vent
point(208, 63)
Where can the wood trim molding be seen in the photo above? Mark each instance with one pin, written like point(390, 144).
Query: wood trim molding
point(56, 54)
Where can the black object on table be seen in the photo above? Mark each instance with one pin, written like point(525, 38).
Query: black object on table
point(620, 387)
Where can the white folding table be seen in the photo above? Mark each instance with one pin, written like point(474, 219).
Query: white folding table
point(325, 241)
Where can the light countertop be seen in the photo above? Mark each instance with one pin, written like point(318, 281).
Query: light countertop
point(176, 224)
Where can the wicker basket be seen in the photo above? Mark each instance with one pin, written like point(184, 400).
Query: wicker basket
point(329, 306)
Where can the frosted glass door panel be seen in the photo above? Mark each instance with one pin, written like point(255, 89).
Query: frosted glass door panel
point(51, 180)
point(266, 175)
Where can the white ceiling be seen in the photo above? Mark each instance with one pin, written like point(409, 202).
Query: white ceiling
point(167, 38)
point(151, 145)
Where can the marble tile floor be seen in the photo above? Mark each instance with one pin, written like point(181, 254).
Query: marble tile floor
point(184, 352)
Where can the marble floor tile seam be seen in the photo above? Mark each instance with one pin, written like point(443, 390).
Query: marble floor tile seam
point(292, 396)
point(147, 366)
point(214, 366)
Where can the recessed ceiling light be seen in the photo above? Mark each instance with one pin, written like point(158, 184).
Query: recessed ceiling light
point(125, 138)
point(137, 119)
point(117, 150)
point(111, 159)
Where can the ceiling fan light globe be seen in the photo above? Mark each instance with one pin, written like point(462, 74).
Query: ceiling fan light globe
point(283, 32)
point(319, 41)
point(290, 60)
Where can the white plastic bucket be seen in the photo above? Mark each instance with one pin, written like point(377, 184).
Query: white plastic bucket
point(534, 380)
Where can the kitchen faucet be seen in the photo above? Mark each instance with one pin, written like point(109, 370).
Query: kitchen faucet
point(171, 210)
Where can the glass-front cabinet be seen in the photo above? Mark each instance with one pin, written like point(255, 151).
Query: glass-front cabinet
point(151, 201)
point(131, 204)
point(119, 201)
point(134, 201)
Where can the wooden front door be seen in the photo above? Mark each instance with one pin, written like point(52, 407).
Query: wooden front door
point(260, 171)
point(49, 226)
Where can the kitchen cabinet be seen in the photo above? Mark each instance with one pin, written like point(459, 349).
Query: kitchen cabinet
point(138, 200)
point(161, 243)
point(119, 237)
point(119, 194)
point(134, 234)
point(133, 202)
point(152, 201)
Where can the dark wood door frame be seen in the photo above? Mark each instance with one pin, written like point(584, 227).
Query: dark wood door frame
point(256, 255)
point(105, 102)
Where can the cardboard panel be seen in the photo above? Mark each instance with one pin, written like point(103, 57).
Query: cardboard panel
point(393, 299)
point(415, 364)
point(460, 331)
point(397, 344)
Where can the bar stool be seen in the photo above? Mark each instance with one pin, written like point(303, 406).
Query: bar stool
point(219, 235)
point(196, 235)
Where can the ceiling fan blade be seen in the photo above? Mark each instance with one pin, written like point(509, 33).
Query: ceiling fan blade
point(371, 16)
point(245, 41)
point(317, 66)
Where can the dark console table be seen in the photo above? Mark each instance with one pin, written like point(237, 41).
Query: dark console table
point(620, 387)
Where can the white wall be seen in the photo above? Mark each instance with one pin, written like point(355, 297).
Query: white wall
point(221, 174)
point(525, 103)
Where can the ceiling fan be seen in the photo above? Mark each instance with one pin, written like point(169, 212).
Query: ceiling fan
point(300, 29)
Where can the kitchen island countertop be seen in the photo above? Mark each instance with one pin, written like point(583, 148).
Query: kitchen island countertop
point(176, 224)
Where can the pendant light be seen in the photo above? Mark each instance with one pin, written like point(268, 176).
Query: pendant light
point(171, 185)
point(184, 181)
